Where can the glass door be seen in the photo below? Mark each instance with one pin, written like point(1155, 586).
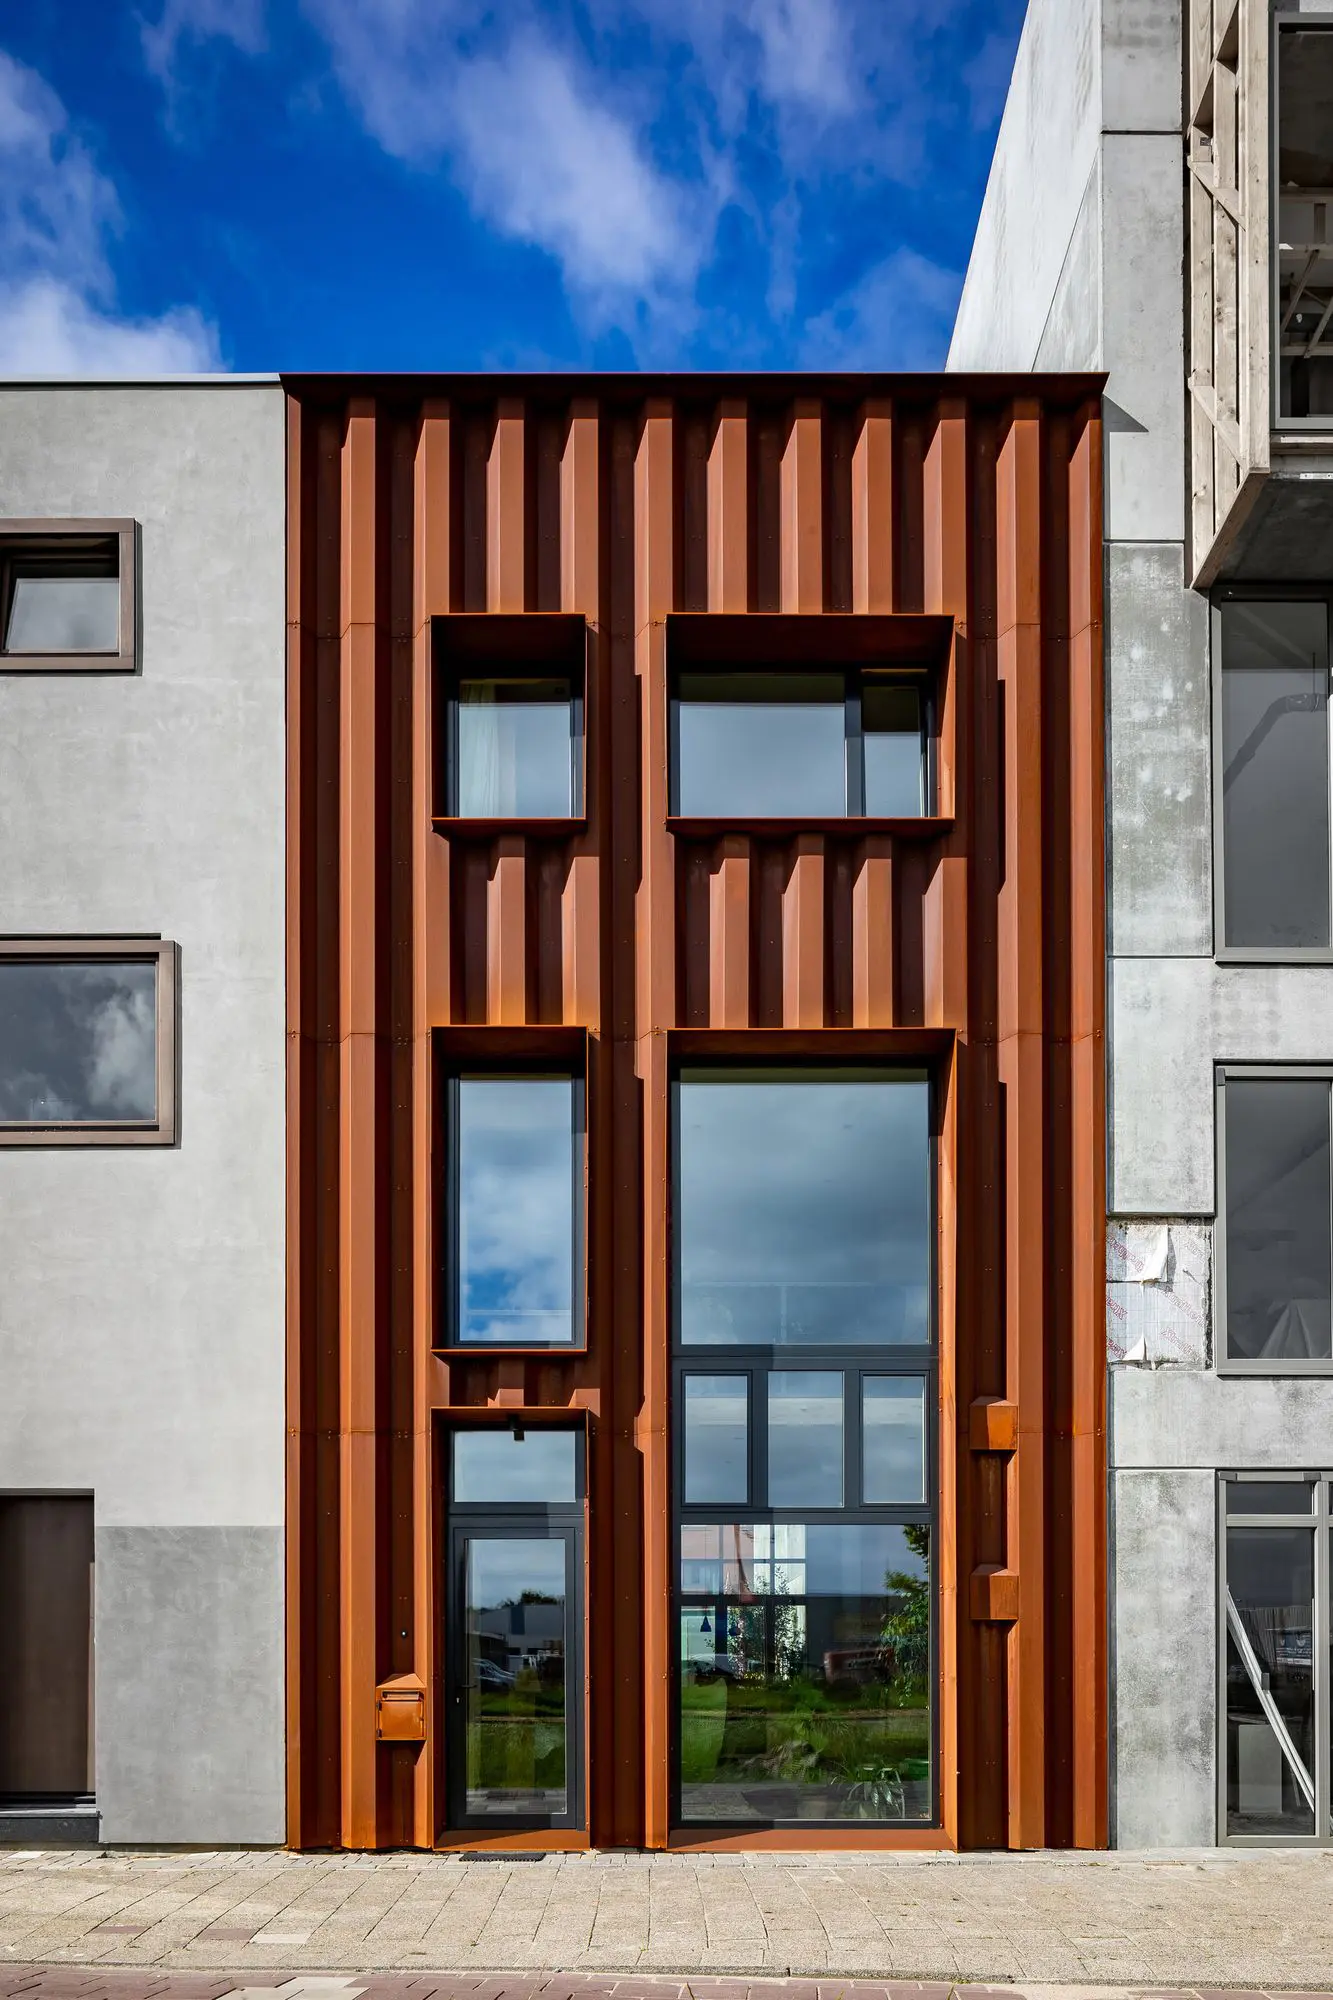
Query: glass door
point(514, 1643)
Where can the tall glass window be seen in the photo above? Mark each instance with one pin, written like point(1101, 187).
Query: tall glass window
point(514, 1263)
point(1303, 180)
point(1276, 1199)
point(1273, 1629)
point(804, 1432)
point(1273, 776)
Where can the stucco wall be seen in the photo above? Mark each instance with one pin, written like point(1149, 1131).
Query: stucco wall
point(141, 1314)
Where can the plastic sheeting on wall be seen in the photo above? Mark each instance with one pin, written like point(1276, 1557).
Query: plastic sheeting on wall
point(1158, 1289)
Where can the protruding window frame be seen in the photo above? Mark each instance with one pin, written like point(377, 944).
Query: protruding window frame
point(51, 532)
point(162, 1130)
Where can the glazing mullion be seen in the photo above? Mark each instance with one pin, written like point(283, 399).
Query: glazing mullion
point(854, 749)
point(1323, 1801)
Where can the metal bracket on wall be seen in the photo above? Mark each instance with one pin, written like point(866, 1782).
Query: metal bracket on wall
point(993, 1424)
point(994, 1595)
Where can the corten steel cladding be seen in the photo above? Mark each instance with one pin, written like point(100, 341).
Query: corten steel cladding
point(969, 506)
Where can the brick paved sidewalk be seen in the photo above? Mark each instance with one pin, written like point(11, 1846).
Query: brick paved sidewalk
point(1260, 1920)
point(103, 1983)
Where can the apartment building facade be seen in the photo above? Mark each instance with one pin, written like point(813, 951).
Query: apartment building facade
point(142, 967)
point(1157, 208)
point(686, 798)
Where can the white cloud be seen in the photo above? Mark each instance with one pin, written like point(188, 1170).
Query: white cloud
point(896, 316)
point(50, 328)
point(535, 141)
point(57, 299)
point(238, 21)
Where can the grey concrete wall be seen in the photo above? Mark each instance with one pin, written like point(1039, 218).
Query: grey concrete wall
point(1164, 1643)
point(1044, 158)
point(141, 1313)
point(1079, 262)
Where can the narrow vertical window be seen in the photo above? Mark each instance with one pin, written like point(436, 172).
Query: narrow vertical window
point(1273, 1769)
point(515, 1263)
point(1273, 786)
point(1303, 213)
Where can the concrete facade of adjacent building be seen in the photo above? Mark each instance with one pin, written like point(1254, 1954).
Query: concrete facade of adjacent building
point(1080, 260)
point(142, 1298)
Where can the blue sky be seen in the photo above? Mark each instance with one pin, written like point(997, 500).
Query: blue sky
point(439, 184)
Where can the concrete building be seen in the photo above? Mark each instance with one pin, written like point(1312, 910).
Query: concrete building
point(142, 1112)
point(1157, 208)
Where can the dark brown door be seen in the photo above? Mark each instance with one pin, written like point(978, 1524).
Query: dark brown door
point(46, 1607)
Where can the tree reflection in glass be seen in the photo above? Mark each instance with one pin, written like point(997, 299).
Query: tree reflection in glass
point(805, 1669)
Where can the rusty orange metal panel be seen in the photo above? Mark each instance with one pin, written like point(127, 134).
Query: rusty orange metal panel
point(974, 945)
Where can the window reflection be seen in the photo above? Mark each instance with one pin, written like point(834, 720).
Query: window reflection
point(805, 1661)
point(717, 1440)
point(63, 614)
point(803, 1212)
point(1279, 1218)
point(503, 1468)
point(893, 1440)
point(761, 746)
point(805, 1425)
point(518, 1261)
point(1275, 775)
point(893, 750)
point(516, 750)
point(78, 1041)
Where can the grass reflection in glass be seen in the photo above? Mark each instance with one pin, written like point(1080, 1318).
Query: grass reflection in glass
point(801, 1699)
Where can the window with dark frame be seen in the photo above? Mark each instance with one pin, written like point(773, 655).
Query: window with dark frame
point(802, 1411)
point(513, 1633)
point(67, 595)
point(818, 743)
point(514, 1224)
point(87, 1042)
point(1272, 778)
point(1303, 199)
point(1273, 1646)
point(1275, 1211)
point(515, 748)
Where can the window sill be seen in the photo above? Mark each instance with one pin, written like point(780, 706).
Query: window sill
point(100, 1136)
point(1257, 955)
point(67, 663)
point(444, 1351)
point(841, 827)
point(490, 829)
point(1274, 1370)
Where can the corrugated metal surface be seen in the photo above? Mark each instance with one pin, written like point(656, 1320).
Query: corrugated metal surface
point(975, 941)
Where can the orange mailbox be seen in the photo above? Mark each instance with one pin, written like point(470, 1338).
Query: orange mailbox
point(400, 1709)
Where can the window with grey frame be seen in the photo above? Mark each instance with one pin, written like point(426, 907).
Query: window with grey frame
point(1275, 1219)
point(1273, 1658)
point(803, 1446)
point(821, 743)
point(1302, 167)
point(87, 1042)
point(514, 1208)
point(1272, 775)
point(68, 596)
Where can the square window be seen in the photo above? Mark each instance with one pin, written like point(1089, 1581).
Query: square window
point(1276, 1175)
point(1273, 778)
point(804, 1209)
point(514, 1265)
point(509, 698)
point(87, 1043)
point(67, 596)
point(517, 750)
